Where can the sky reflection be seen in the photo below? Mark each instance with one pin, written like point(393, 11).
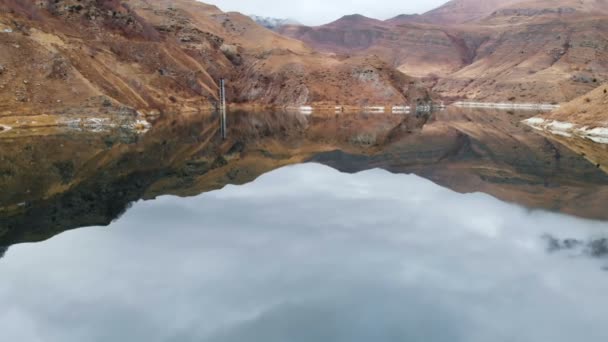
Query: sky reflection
point(306, 253)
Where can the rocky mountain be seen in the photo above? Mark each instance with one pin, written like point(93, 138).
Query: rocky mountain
point(156, 56)
point(273, 23)
point(532, 9)
point(457, 12)
point(462, 11)
point(416, 49)
point(547, 51)
point(523, 51)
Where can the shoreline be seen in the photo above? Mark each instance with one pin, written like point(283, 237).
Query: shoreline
point(505, 105)
point(93, 123)
point(597, 135)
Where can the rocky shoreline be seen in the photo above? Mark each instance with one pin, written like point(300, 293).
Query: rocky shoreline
point(94, 122)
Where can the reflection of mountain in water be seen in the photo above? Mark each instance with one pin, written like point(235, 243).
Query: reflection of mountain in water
point(594, 247)
point(62, 181)
point(3, 251)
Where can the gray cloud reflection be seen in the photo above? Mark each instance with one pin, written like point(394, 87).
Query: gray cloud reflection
point(306, 253)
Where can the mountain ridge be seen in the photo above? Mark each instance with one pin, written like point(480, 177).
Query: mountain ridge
point(482, 50)
point(169, 55)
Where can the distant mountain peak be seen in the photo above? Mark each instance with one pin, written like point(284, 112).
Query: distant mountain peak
point(403, 18)
point(354, 19)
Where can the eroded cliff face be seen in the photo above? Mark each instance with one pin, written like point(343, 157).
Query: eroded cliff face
point(158, 56)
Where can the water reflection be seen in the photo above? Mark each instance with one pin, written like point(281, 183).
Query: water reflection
point(306, 253)
point(58, 180)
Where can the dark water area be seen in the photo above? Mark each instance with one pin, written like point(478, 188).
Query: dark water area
point(459, 225)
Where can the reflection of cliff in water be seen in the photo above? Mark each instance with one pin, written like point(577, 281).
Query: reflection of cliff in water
point(62, 181)
point(489, 151)
point(182, 156)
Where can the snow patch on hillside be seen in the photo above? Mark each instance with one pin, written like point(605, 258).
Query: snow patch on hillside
point(273, 23)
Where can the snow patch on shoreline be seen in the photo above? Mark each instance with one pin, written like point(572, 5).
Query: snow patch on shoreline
point(502, 105)
point(140, 126)
point(560, 128)
point(598, 134)
point(5, 128)
point(97, 125)
point(568, 129)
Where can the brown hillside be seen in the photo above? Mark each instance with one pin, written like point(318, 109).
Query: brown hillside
point(416, 49)
point(462, 11)
point(68, 55)
point(588, 110)
point(544, 61)
point(522, 51)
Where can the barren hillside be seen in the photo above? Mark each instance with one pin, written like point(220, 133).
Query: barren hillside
point(521, 51)
point(68, 55)
point(590, 109)
point(547, 61)
point(462, 11)
point(416, 49)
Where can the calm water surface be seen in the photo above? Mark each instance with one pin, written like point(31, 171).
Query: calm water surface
point(295, 230)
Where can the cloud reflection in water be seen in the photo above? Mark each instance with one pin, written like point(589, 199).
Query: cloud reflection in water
point(306, 253)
